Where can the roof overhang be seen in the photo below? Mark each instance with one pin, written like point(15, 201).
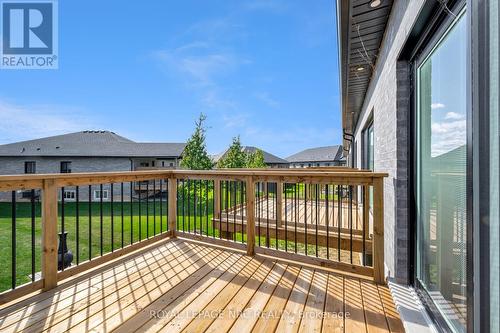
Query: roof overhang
point(361, 28)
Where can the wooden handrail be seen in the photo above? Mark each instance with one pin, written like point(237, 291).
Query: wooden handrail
point(51, 183)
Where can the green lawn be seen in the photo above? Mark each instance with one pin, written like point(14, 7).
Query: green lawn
point(115, 232)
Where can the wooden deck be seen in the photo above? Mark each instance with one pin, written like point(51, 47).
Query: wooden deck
point(188, 286)
point(298, 214)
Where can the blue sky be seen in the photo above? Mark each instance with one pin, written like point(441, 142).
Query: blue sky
point(264, 70)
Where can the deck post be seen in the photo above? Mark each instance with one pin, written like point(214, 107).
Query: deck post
point(250, 207)
point(49, 234)
point(216, 199)
point(279, 204)
point(378, 230)
point(172, 206)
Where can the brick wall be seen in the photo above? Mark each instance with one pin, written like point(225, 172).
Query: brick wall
point(387, 99)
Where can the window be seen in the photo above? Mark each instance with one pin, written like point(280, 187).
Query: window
point(171, 164)
point(30, 167)
point(97, 195)
point(65, 167)
point(162, 163)
point(144, 164)
point(441, 174)
point(69, 194)
point(367, 147)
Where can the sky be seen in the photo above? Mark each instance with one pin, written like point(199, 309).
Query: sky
point(266, 70)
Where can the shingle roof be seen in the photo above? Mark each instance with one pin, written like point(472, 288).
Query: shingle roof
point(91, 144)
point(318, 154)
point(268, 157)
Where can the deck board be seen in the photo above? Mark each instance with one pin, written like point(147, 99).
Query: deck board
point(186, 286)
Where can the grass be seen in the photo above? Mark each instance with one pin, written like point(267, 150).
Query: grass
point(98, 235)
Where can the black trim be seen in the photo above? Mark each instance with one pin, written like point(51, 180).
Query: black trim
point(480, 67)
point(430, 27)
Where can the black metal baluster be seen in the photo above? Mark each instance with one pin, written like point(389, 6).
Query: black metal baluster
point(33, 215)
point(221, 205)
point(189, 205)
point(235, 206)
point(154, 207)
point(140, 211)
point(213, 209)
point(183, 205)
point(350, 219)
point(327, 220)
point(268, 241)
point(62, 224)
point(242, 203)
point(101, 217)
point(363, 189)
point(147, 209)
point(194, 205)
point(77, 225)
point(122, 211)
point(339, 218)
point(112, 220)
point(259, 206)
point(227, 209)
point(161, 206)
point(131, 213)
point(275, 214)
point(14, 245)
point(296, 215)
point(305, 218)
point(90, 222)
point(200, 203)
point(284, 219)
point(208, 200)
point(317, 216)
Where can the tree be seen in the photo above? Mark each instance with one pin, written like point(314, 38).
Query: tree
point(195, 156)
point(234, 157)
point(255, 160)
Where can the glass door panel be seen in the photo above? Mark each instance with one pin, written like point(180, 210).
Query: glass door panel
point(441, 174)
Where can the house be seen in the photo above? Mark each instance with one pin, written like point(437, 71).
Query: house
point(272, 161)
point(317, 157)
point(86, 151)
point(419, 88)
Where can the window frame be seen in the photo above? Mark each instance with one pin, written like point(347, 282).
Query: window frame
point(32, 163)
point(67, 169)
point(72, 198)
point(437, 29)
point(105, 197)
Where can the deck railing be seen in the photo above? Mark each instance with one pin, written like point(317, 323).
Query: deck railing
point(330, 217)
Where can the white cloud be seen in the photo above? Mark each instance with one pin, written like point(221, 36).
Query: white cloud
point(437, 106)
point(267, 99)
point(24, 122)
point(234, 120)
point(447, 136)
point(454, 116)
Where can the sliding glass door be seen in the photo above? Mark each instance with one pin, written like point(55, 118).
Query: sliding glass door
point(441, 182)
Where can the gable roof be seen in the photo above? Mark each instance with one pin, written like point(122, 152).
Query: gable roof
point(91, 144)
point(318, 154)
point(268, 157)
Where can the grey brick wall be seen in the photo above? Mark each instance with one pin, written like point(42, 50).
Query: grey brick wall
point(387, 99)
point(15, 165)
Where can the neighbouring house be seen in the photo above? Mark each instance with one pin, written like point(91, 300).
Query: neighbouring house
point(272, 161)
point(317, 157)
point(87, 151)
point(419, 87)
